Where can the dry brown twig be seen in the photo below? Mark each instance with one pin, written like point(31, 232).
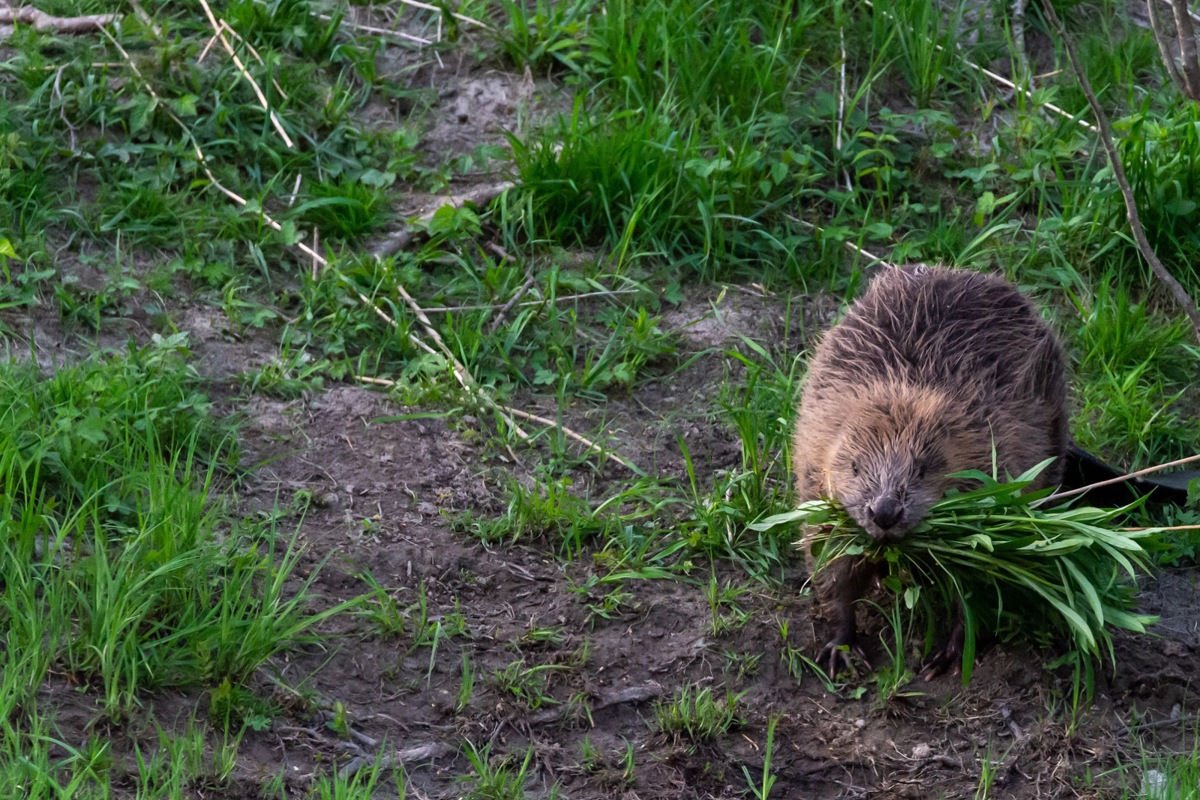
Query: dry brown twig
point(1003, 81)
point(219, 28)
point(1110, 481)
point(549, 423)
point(512, 301)
point(41, 21)
point(1108, 140)
point(463, 376)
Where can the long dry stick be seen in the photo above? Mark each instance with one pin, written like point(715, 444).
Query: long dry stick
point(1109, 482)
point(564, 298)
point(1114, 158)
point(41, 21)
point(1003, 81)
point(219, 31)
point(460, 372)
point(516, 412)
point(459, 17)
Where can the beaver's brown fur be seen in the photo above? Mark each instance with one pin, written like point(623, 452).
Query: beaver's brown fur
point(928, 372)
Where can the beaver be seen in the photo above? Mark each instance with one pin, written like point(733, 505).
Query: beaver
point(931, 372)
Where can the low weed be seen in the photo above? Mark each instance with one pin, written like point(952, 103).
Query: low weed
point(551, 509)
point(359, 785)
point(546, 37)
point(527, 684)
point(698, 714)
point(761, 789)
point(924, 40)
point(891, 677)
point(494, 778)
point(466, 686)
point(727, 615)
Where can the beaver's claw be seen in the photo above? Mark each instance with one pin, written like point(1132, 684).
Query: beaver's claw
point(836, 656)
point(948, 657)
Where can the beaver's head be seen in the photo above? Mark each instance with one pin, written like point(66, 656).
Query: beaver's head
point(889, 466)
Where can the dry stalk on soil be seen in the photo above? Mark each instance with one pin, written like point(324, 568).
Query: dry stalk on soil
point(530, 280)
point(1003, 81)
point(1109, 482)
point(461, 374)
point(549, 423)
point(219, 29)
point(41, 21)
point(1114, 158)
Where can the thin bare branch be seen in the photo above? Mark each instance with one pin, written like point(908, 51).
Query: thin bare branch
point(549, 423)
point(41, 21)
point(459, 17)
point(1109, 482)
point(530, 280)
point(219, 28)
point(1114, 158)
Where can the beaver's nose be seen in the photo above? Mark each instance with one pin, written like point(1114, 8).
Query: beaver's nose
point(885, 512)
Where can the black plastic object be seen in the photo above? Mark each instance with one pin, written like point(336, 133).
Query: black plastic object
point(1084, 469)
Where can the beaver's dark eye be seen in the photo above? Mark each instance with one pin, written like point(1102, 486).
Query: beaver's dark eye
point(854, 468)
point(921, 471)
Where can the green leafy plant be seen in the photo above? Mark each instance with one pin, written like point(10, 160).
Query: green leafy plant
point(698, 714)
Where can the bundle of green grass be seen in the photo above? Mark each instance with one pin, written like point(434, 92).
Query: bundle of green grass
point(1019, 568)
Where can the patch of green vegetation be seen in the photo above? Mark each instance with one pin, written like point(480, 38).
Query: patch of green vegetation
point(526, 684)
point(1134, 369)
point(114, 571)
point(698, 714)
point(495, 778)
